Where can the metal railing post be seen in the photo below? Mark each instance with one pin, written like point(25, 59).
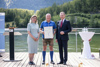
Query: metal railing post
point(76, 41)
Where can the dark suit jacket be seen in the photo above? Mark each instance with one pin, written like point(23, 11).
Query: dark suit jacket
point(66, 27)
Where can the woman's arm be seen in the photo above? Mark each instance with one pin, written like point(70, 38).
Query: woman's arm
point(31, 36)
point(38, 36)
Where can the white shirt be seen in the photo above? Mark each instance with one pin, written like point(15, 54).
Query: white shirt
point(61, 20)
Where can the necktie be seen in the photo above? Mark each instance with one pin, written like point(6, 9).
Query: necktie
point(61, 23)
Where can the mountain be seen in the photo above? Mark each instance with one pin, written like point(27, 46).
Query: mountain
point(30, 4)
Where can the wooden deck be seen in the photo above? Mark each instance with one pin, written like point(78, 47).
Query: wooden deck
point(73, 60)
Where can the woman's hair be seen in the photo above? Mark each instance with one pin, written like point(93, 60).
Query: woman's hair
point(33, 17)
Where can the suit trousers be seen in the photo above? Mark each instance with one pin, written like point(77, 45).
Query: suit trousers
point(63, 45)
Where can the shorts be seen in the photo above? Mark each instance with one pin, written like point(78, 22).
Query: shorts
point(47, 41)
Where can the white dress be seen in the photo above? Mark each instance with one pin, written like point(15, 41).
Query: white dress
point(34, 30)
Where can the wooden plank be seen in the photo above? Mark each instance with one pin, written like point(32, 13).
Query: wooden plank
point(38, 63)
point(94, 62)
point(26, 63)
point(36, 59)
point(58, 59)
point(23, 61)
point(17, 56)
point(68, 62)
point(2, 58)
point(79, 60)
point(41, 59)
point(86, 62)
point(21, 57)
point(73, 60)
point(47, 60)
point(9, 64)
point(41, 62)
point(55, 60)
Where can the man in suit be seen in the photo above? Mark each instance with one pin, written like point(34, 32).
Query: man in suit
point(63, 28)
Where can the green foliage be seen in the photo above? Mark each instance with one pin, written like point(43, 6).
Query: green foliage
point(18, 17)
point(77, 11)
point(81, 13)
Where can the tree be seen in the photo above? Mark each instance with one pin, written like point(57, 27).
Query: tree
point(91, 24)
point(17, 20)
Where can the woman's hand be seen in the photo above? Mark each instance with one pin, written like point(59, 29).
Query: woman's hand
point(34, 39)
point(37, 39)
point(31, 36)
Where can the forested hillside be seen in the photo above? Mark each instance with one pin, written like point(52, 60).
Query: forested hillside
point(81, 13)
point(30, 4)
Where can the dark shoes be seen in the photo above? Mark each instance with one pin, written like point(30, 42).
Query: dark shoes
point(64, 63)
point(60, 63)
point(0, 55)
point(52, 62)
point(43, 62)
point(31, 63)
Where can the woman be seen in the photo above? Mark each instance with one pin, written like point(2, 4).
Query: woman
point(33, 37)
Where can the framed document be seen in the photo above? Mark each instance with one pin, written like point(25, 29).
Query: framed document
point(48, 32)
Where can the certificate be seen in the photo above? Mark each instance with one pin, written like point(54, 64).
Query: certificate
point(48, 32)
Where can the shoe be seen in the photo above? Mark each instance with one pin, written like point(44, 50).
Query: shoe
point(43, 62)
point(64, 63)
point(60, 63)
point(31, 63)
point(0, 55)
point(52, 62)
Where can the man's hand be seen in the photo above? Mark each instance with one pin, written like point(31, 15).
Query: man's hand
point(62, 33)
point(42, 32)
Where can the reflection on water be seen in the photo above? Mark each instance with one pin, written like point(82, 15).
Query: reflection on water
point(21, 42)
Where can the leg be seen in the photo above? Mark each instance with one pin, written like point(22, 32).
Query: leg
point(51, 48)
point(31, 55)
point(44, 52)
point(60, 50)
point(44, 49)
point(51, 52)
point(65, 46)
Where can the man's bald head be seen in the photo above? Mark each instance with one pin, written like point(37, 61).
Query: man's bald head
point(48, 17)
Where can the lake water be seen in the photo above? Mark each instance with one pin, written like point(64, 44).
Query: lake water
point(21, 41)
